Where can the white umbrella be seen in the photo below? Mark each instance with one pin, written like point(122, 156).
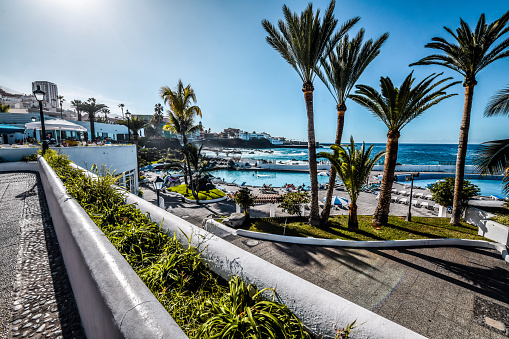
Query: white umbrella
point(323, 174)
point(55, 124)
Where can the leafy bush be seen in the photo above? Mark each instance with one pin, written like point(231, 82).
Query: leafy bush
point(244, 199)
point(31, 157)
point(292, 202)
point(443, 192)
point(243, 314)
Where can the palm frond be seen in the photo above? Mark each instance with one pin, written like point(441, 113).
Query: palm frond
point(498, 104)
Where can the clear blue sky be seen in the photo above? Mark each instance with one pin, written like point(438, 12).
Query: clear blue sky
point(125, 50)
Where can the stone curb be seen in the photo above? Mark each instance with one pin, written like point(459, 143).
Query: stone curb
point(213, 225)
point(112, 300)
point(322, 311)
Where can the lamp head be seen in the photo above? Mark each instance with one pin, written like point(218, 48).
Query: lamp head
point(128, 114)
point(33, 119)
point(158, 183)
point(39, 95)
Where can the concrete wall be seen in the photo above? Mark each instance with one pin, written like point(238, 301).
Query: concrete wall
point(15, 153)
point(487, 228)
point(319, 309)
point(112, 300)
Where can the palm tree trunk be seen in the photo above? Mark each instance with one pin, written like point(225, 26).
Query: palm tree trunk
point(353, 224)
point(314, 215)
point(92, 127)
point(79, 115)
point(462, 151)
point(381, 216)
point(186, 165)
point(135, 139)
point(332, 178)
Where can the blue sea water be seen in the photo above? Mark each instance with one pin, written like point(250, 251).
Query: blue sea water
point(408, 154)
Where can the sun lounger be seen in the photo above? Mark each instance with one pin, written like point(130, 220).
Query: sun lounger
point(418, 195)
point(429, 197)
point(394, 198)
point(416, 203)
point(436, 207)
point(403, 201)
point(403, 192)
point(395, 191)
point(425, 204)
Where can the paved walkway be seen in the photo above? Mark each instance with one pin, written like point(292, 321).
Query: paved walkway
point(36, 300)
point(439, 292)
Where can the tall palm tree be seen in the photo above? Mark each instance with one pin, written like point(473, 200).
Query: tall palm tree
point(493, 157)
point(106, 111)
point(136, 124)
point(157, 118)
point(122, 108)
point(77, 106)
point(396, 107)
point(342, 68)
point(92, 108)
point(354, 167)
point(61, 101)
point(182, 112)
point(302, 40)
point(468, 54)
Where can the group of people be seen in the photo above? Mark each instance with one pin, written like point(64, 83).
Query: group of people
point(291, 187)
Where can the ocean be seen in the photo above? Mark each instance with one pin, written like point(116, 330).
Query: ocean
point(408, 154)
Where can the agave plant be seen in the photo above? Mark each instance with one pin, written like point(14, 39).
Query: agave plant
point(243, 314)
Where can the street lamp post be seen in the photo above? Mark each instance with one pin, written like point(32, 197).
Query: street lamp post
point(158, 184)
point(128, 116)
point(39, 96)
point(409, 215)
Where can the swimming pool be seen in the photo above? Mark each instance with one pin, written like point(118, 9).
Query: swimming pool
point(488, 187)
point(276, 179)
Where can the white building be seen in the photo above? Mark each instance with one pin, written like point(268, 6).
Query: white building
point(51, 92)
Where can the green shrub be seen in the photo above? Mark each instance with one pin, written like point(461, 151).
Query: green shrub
point(244, 199)
point(292, 202)
point(202, 195)
point(443, 192)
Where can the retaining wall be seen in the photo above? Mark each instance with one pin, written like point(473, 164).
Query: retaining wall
point(112, 300)
point(319, 309)
point(487, 228)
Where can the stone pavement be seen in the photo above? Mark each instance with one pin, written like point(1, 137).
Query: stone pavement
point(36, 299)
point(439, 292)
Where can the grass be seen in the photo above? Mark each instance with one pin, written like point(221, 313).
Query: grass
point(202, 195)
point(396, 229)
point(501, 214)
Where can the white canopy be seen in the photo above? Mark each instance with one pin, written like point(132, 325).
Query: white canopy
point(55, 124)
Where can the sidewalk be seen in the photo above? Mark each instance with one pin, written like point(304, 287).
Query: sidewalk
point(36, 299)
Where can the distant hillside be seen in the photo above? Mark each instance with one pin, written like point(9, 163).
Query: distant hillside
point(7, 92)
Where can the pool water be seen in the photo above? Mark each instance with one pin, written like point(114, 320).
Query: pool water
point(258, 178)
point(488, 187)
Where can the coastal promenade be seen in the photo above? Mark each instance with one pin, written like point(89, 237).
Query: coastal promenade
point(36, 299)
point(439, 292)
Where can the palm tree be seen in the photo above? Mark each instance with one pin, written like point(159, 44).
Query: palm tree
point(122, 108)
point(77, 106)
point(92, 107)
point(182, 112)
point(157, 118)
point(137, 124)
point(396, 107)
point(493, 157)
point(302, 40)
point(106, 111)
point(468, 55)
point(4, 108)
point(342, 68)
point(354, 167)
point(61, 100)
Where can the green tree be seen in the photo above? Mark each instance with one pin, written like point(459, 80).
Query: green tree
point(4, 108)
point(493, 157)
point(443, 192)
point(468, 54)
point(182, 112)
point(77, 106)
point(342, 68)
point(136, 124)
point(122, 108)
point(302, 40)
point(61, 101)
point(106, 111)
point(292, 202)
point(396, 107)
point(157, 118)
point(92, 108)
point(244, 199)
point(353, 167)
